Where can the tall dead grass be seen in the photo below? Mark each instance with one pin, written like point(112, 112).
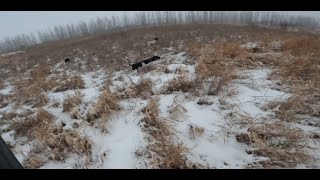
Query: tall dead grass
point(282, 145)
point(216, 64)
point(40, 72)
point(56, 142)
point(106, 106)
point(72, 101)
point(65, 82)
point(176, 109)
point(302, 46)
point(300, 72)
point(181, 83)
point(166, 153)
point(143, 88)
point(32, 91)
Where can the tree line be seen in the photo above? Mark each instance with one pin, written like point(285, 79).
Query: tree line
point(145, 19)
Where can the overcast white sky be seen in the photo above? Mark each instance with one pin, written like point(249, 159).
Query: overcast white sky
point(16, 22)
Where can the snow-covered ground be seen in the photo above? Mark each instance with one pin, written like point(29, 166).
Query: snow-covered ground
point(217, 147)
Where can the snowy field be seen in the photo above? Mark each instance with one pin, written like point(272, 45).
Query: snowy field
point(123, 141)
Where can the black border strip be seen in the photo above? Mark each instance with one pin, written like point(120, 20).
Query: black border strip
point(163, 5)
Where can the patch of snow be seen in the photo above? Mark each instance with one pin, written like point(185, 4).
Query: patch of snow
point(12, 53)
point(55, 67)
point(7, 90)
point(189, 68)
point(213, 149)
point(72, 162)
point(251, 45)
point(120, 144)
point(151, 42)
point(20, 149)
point(21, 152)
point(254, 92)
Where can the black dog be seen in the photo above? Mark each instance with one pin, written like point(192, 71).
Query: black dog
point(147, 61)
point(66, 60)
point(136, 65)
point(154, 58)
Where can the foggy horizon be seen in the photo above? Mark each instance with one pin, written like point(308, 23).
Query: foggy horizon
point(25, 22)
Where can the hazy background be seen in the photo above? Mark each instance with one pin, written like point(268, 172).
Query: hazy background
point(16, 22)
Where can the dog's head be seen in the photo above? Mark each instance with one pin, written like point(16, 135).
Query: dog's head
point(66, 60)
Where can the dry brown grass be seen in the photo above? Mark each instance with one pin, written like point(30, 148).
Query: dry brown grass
point(9, 115)
point(195, 131)
point(56, 83)
point(231, 49)
point(217, 84)
point(72, 101)
point(55, 144)
point(299, 71)
point(166, 154)
point(283, 145)
point(176, 109)
point(290, 109)
point(66, 82)
point(75, 82)
point(60, 141)
point(180, 83)
point(51, 139)
point(40, 72)
point(213, 65)
point(101, 46)
point(30, 94)
point(34, 161)
point(143, 88)
point(302, 46)
point(152, 119)
point(103, 109)
point(27, 125)
point(41, 100)
point(3, 101)
point(173, 157)
point(31, 91)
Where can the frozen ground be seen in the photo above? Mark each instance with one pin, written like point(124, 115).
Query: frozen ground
point(216, 148)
